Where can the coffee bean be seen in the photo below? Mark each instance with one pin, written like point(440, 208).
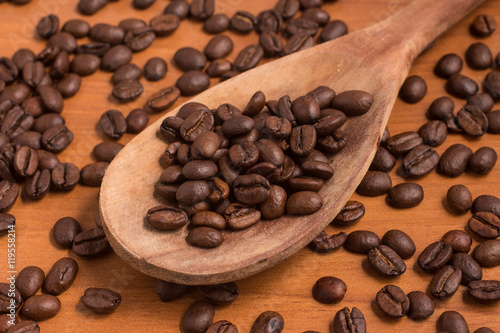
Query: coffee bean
point(38, 185)
point(7, 222)
point(65, 231)
point(486, 203)
point(330, 121)
point(454, 160)
point(113, 123)
point(9, 298)
point(6, 322)
point(433, 133)
point(220, 46)
point(461, 86)
point(275, 204)
point(393, 301)
point(301, 26)
point(323, 96)
point(383, 161)
point(106, 151)
point(445, 282)
point(248, 58)
point(85, 64)
point(168, 291)
point(60, 66)
point(452, 321)
point(324, 243)
point(346, 321)
point(483, 25)
point(401, 144)
point(413, 89)
point(251, 189)
point(472, 120)
point(101, 300)
point(93, 173)
point(77, 28)
point(8, 70)
point(139, 39)
point(485, 224)
point(400, 242)
point(202, 9)
point(219, 67)
point(65, 176)
point(304, 203)
point(90, 7)
point(361, 241)
point(483, 101)
point(69, 85)
point(459, 199)
point(8, 194)
point(486, 291)
point(353, 102)
point(116, 57)
point(459, 240)
point(271, 44)
point(239, 216)
point(487, 254)
point(16, 122)
point(198, 317)
point(351, 213)
point(25, 162)
point(318, 15)
point(478, 56)
point(222, 326)
point(483, 160)
point(332, 30)
point(41, 307)
point(22, 57)
point(193, 82)
point(166, 217)
point(242, 22)
point(17, 93)
point(287, 8)
point(386, 261)
point(216, 24)
point(131, 24)
point(448, 65)
point(220, 294)
point(26, 326)
point(61, 276)
point(33, 73)
point(297, 43)
point(47, 160)
point(190, 59)
point(420, 161)
point(142, 4)
point(91, 242)
point(127, 91)
point(267, 322)
point(199, 169)
point(164, 25)
point(163, 99)
point(195, 124)
point(484, 330)
point(329, 290)
point(155, 69)
point(303, 139)
point(105, 33)
point(192, 192)
point(374, 183)
point(269, 21)
point(421, 306)
point(51, 98)
point(95, 48)
point(64, 41)
point(435, 256)
point(471, 271)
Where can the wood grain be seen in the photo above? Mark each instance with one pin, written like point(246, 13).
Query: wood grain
point(285, 288)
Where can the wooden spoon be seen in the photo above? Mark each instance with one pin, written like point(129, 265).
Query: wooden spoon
point(376, 60)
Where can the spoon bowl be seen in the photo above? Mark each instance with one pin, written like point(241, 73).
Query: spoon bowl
point(376, 60)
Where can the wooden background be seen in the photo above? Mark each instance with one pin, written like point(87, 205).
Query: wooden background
point(285, 288)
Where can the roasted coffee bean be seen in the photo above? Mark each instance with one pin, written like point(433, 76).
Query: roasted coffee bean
point(251, 189)
point(486, 203)
point(383, 161)
point(306, 110)
point(421, 306)
point(60, 66)
point(33, 105)
point(353, 102)
point(459, 199)
point(478, 56)
point(237, 125)
point(361, 241)
point(413, 89)
point(483, 160)
point(287, 8)
point(374, 183)
point(190, 59)
point(126, 72)
point(16, 122)
point(29, 281)
point(37, 186)
point(168, 291)
point(163, 99)
point(452, 321)
point(329, 290)
point(77, 28)
point(26, 326)
point(448, 65)
point(47, 160)
point(400, 242)
point(95, 48)
point(9, 298)
point(323, 96)
point(164, 25)
point(461, 86)
point(242, 22)
point(219, 190)
point(113, 124)
point(459, 240)
point(17, 92)
point(268, 321)
point(226, 111)
point(393, 301)
point(51, 98)
point(484, 330)
point(269, 151)
point(346, 321)
point(220, 294)
point(306, 184)
point(137, 120)
point(195, 124)
point(61, 276)
point(472, 120)
point(192, 192)
point(485, 224)
point(193, 82)
point(65, 176)
point(8, 70)
point(106, 151)
point(330, 121)
point(155, 69)
point(325, 243)
point(401, 144)
point(85, 64)
point(303, 139)
point(7, 222)
point(445, 282)
point(239, 216)
point(199, 169)
point(8, 194)
point(220, 46)
point(41, 307)
point(487, 254)
point(269, 21)
point(435, 256)
point(90, 7)
point(64, 41)
point(166, 217)
point(304, 203)
point(24, 159)
point(351, 213)
point(420, 161)
point(275, 204)
point(297, 43)
point(248, 58)
point(198, 317)
point(332, 30)
point(69, 85)
point(65, 231)
point(454, 160)
point(486, 291)
point(93, 173)
point(105, 33)
point(139, 39)
point(245, 154)
point(202, 9)
point(127, 91)
point(142, 4)
point(386, 261)
point(116, 57)
point(483, 25)
point(216, 24)
point(471, 271)
point(91, 242)
point(48, 54)
point(219, 67)
point(317, 15)
point(301, 26)
point(433, 133)
point(483, 101)
point(208, 219)
point(22, 57)
point(271, 44)
point(131, 24)
point(101, 300)
point(222, 326)
point(33, 73)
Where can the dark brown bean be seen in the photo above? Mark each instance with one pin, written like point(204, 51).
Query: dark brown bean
point(268, 321)
point(101, 300)
point(198, 317)
point(386, 261)
point(91, 242)
point(393, 301)
point(61, 276)
point(361, 241)
point(459, 240)
point(29, 281)
point(324, 243)
point(435, 256)
point(445, 282)
point(41, 307)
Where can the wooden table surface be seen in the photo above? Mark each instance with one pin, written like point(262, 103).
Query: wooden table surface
point(285, 288)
